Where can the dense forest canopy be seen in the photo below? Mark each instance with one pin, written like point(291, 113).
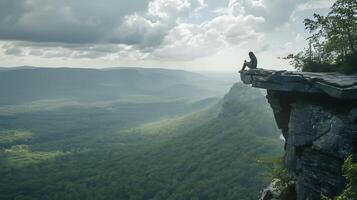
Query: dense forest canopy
point(136, 144)
point(333, 43)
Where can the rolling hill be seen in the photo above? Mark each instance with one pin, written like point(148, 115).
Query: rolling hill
point(26, 84)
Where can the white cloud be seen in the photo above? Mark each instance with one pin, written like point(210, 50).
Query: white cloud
point(141, 30)
point(190, 41)
point(316, 4)
point(150, 28)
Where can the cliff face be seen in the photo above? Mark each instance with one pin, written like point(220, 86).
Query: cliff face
point(317, 114)
point(320, 133)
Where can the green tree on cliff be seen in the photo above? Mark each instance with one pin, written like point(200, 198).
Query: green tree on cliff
point(350, 172)
point(333, 43)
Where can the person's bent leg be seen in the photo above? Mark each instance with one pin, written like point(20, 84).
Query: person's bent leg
point(249, 65)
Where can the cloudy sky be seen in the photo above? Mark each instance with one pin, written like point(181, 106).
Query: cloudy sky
point(184, 34)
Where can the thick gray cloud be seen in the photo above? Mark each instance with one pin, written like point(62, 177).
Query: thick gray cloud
point(78, 25)
point(65, 21)
point(12, 50)
point(134, 22)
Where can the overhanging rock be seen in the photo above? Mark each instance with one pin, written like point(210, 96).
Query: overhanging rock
point(333, 84)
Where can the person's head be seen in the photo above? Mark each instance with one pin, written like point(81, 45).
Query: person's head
point(251, 54)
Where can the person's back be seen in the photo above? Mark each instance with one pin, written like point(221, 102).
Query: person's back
point(253, 62)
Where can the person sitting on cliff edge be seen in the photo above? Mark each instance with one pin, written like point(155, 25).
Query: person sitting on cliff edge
point(253, 62)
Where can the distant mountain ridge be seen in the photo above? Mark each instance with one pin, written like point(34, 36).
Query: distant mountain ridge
point(24, 84)
point(16, 68)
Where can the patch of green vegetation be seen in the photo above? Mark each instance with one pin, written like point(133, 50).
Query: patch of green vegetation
point(350, 172)
point(11, 137)
point(36, 106)
point(179, 124)
point(284, 182)
point(21, 155)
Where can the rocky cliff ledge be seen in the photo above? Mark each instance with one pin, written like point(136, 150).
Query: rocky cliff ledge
point(317, 113)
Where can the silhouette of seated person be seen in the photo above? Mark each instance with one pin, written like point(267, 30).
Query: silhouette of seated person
point(252, 64)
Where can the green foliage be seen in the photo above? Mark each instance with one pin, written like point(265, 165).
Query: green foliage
point(283, 180)
point(159, 151)
point(21, 155)
point(350, 172)
point(11, 137)
point(333, 43)
point(278, 171)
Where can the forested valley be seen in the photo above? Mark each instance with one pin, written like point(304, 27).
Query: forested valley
point(132, 134)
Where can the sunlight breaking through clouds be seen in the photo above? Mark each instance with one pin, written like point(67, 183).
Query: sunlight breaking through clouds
point(157, 30)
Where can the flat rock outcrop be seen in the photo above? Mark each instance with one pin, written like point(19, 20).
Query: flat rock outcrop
point(334, 84)
point(317, 113)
